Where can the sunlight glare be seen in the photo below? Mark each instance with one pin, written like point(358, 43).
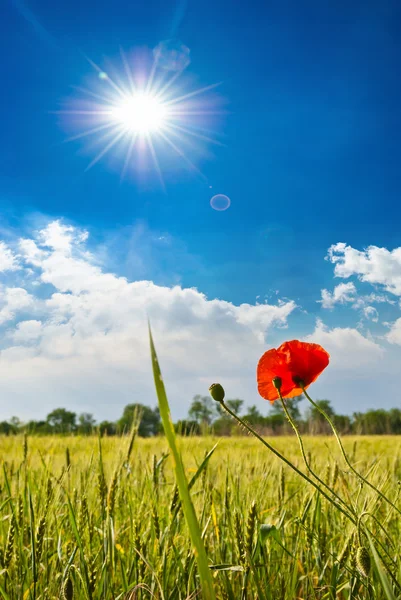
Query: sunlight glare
point(140, 114)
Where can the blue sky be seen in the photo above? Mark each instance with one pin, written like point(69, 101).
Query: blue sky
point(311, 135)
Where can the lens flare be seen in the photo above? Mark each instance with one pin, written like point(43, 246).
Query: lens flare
point(143, 116)
point(140, 113)
point(220, 202)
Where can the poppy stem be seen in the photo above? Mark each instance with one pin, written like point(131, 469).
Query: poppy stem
point(287, 462)
point(307, 464)
point(344, 454)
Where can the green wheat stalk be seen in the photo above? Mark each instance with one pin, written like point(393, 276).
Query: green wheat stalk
point(182, 484)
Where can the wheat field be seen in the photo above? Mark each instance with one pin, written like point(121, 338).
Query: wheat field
point(101, 519)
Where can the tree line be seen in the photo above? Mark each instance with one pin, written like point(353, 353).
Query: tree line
point(206, 416)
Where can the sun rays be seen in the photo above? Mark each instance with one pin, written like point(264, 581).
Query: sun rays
point(143, 111)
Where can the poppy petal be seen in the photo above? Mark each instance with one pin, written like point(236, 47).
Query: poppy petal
point(290, 361)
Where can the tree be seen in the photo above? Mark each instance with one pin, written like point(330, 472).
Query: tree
point(202, 410)
point(278, 422)
point(40, 427)
point(317, 422)
point(149, 419)
point(107, 428)
point(61, 420)
point(253, 415)
point(394, 415)
point(7, 428)
point(343, 423)
point(86, 423)
point(292, 405)
point(235, 405)
point(15, 422)
point(186, 427)
point(375, 422)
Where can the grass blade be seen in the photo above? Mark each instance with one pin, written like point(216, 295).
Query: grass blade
point(388, 591)
point(192, 481)
point(182, 484)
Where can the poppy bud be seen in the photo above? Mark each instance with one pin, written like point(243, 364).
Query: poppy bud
point(217, 392)
point(277, 381)
point(363, 561)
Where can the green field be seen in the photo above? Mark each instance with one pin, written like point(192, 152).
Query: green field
point(75, 524)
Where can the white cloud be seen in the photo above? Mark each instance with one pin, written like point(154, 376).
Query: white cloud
point(363, 301)
point(61, 237)
point(90, 350)
point(374, 265)
point(30, 252)
point(343, 293)
point(394, 335)
point(75, 335)
point(362, 374)
point(371, 313)
point(26, 331)
point(348, 348)
point(346, 293)
point(8, 261)
point(12, 301)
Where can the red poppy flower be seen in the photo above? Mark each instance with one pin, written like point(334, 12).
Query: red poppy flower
point(292, 362)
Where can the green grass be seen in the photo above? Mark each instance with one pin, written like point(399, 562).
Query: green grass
point(205, 577)
point(108, 528)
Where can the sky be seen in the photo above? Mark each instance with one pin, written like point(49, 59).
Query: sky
point(291, 110)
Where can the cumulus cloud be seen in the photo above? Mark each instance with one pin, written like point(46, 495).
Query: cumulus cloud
point(8, 260)
point(362, 373)
point(347, 293)
point(371, 313)
point(347, 347)
point(78, 338)
point(26, 331)
point(394, 335)
point(343, 293)
point(12, 301)
point(374, 265)
point(75, 332)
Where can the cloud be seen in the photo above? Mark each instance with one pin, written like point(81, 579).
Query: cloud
point(374, 265)
point(394, 335)
point(362, 374)
point(75, 334)
point(343, 293)
point(371, 313)
point(26, 331)
point(346, 293)
point(12, 301)
point(8, 261)
point(348, 348)
point(78, 337)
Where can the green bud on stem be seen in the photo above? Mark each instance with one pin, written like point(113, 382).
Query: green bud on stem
point(277, 381)
point(217, 392)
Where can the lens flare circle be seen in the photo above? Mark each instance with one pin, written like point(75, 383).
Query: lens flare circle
point(172, 55)
point(141, 113)
point(220, 202)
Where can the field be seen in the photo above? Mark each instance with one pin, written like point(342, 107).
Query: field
point(79, 520)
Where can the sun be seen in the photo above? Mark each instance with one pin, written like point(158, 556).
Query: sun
point(140, 114)
point(143, 115)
